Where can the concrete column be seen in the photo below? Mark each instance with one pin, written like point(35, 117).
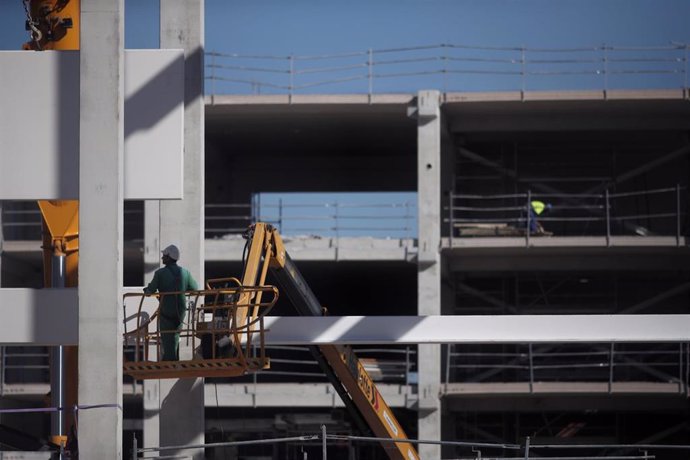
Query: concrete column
point(152, 261)
point(2, 238)
point(429, 267)
point(101, 145)
point(182, 222)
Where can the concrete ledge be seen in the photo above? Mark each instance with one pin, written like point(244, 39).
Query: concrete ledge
point(295, 395)
point(307, 99)
point(560, 388)
point(565, 241)
point(321, 249)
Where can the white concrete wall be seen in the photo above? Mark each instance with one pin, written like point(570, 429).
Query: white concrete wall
point(39, 124)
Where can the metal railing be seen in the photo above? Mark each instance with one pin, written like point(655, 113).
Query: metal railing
point(322, 440)
point(450, 67)
point(23, 365)
point(607, 363)
point(30, 365)
point(328, 219)
point(659, 212)
point(385, 365)
point(319, 443)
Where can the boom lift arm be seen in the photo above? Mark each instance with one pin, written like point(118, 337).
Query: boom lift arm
point(341, 366)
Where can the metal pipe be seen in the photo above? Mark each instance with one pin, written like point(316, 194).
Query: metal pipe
point(608, 219)
point(529, 209)
point(678, 215)
point(531, 371)
point(450, 219)
point(681, 377)
point(57, 363)
point(292, 77)
point(371, 74)
point(611, 354)
point(324, 451)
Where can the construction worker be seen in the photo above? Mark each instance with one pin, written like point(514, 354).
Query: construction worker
point(172, 308)
point(536, 208)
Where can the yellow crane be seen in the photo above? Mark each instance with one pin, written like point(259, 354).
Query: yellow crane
point(54, 25)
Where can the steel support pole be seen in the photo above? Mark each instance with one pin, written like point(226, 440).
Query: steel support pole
point(57, 362)
point(677, 215)
point(529, 215)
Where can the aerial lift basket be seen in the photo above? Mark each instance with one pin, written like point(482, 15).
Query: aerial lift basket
point(224, 326)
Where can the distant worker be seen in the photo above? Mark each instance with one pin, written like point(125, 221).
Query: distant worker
point(172, 308)
point(536, 208)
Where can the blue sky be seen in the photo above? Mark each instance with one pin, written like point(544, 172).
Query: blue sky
point(320, 26)
point(317, 27)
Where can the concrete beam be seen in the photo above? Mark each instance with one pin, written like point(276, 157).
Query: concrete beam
point(39, 317)
point(361, 330)
point(48, 317)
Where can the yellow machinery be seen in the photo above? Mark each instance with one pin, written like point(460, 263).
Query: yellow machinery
point(230, 313)
point(54, 25)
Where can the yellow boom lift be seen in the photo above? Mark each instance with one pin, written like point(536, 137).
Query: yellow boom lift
point(233, 315)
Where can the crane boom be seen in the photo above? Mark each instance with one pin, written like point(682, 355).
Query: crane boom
point(340, 364)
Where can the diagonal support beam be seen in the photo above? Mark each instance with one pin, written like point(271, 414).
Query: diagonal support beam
point(485, 297)
point(657, 298)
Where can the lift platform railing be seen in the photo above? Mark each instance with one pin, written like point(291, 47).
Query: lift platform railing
point(223, 326)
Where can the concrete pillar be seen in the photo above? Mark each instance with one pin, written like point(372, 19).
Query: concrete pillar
point(182, 222)
point(2, 238)
point(152, 261)
point(101, 145)
point(429, 267)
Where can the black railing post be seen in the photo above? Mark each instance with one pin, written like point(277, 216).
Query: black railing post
point(677, 214)
point(529, 215)
point(450, 219)
point(608, 218)
point(134, 447)
point(611, 364)
point(531, 370)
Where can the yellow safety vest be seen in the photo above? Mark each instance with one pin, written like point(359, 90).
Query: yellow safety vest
point(538, 207)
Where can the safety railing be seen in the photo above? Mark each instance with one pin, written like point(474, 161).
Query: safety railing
point(607, 363)
point(21, 365)
point(21, 220)
point(659, 212)
point(319, 444)
point(326, 219)
point(394, 365)
point(450, 67)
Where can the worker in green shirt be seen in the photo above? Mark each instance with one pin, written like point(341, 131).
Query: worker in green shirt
point(172, 308)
